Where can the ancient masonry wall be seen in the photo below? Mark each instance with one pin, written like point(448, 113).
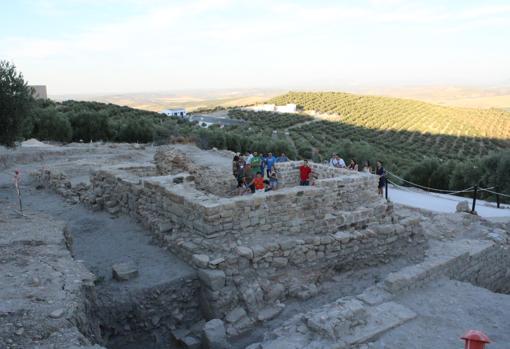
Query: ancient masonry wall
point(351, 321)
point(157, 310)
point(253, 252)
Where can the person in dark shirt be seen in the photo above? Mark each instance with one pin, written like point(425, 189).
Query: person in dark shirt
point(304, 173)
point(382, 177)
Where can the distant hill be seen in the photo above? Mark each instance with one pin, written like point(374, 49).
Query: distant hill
point(396, 114)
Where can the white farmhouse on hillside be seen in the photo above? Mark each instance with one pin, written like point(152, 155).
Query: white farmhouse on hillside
point(289, 108)
point(179, 112)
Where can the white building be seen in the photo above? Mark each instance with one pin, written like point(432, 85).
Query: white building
point(179, 112)
point(289, 108)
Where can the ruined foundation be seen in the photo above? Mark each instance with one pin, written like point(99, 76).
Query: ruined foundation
point(265, 264)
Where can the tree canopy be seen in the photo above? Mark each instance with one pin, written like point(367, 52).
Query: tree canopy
point(15, 102)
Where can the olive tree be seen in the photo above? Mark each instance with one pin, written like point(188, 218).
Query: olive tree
point(15, 101)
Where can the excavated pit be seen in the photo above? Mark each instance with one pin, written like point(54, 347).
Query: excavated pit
point(138, 313)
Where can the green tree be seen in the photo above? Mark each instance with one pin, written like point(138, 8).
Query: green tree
point(15, 102)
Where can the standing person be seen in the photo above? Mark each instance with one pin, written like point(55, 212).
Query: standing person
point(258, 183)
point(366, 167)
point(273, 180)
point(382, 177)
point(263, 164)
point(283, 158)
point(235, 166)
point(249, 177)
point(341, 162)
point(249, 156)
point(241, 165)
point(256, 162)
point(334, 161)
point(270, 164)
point(353, 165)
point(304, 173)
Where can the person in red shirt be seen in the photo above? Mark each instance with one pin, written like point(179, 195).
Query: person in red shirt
point(258, 182)
point(304, 173)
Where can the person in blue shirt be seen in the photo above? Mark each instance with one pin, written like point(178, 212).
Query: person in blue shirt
point(283, 158)
point(270, 164)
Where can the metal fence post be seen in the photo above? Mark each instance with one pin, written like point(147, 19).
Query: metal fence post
point(498, 199)
point(386, 188)
point(474, 199)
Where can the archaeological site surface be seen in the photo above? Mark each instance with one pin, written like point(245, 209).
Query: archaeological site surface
point(133, 246)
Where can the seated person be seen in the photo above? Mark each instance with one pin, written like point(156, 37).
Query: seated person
point(258, 183)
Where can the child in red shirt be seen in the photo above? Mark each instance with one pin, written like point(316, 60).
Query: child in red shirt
point(304, 173)
point(258, 182)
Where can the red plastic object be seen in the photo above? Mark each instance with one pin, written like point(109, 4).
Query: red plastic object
point(475, 339)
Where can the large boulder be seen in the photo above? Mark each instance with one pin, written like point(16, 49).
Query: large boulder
point(215, 335)
point(463, 206)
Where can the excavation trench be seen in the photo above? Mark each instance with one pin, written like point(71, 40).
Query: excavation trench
point(138, 313)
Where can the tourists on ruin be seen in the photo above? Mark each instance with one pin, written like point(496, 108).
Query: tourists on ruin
point(249, 156)
point(341, 162)
point(353, 165)
point(304, 173)
point(282, 158)
point(241, 165)
point(337, 161)
point(273, 180)
point(243, 186)
point(235, 166)
point(382, 177)
point(258, 183)
point(256, 162)
point(270, 164)
point(366, 167)
point(263, 164)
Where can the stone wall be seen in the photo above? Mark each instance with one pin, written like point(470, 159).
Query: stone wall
point(254, 252)
point(351, 321)
point(170, 160)
point(288, 172)
point(331, 204)
point(152, 311)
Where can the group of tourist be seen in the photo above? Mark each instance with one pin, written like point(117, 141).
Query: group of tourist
point(337, 161)
point(251, 169)
point(257, 173)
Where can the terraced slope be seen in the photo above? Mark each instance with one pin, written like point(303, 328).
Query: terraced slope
point(401, 132)
point(395, 114)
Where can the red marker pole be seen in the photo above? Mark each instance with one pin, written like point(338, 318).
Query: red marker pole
point(475, 339)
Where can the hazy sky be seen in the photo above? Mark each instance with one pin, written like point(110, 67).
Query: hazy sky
point(96, 46)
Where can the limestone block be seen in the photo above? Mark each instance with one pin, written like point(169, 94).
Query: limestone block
point(213, 279)
point(270, 312)
point(236, 315)
point(124, 271)
point(214, 335)
point(200, 260)
point(245, 252)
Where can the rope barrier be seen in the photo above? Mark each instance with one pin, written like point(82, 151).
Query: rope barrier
point(494, 193)
point(467, 190)
point(439, 195)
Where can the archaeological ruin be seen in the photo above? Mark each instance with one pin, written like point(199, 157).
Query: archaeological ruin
point(133, 246)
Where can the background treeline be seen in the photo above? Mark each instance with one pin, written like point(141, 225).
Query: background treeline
point(91, 121)
point(299, 136)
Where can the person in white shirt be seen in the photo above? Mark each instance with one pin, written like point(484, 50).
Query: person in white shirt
point(341, 162)
point(337, 161)
point(249, 157)
point(334, 161)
